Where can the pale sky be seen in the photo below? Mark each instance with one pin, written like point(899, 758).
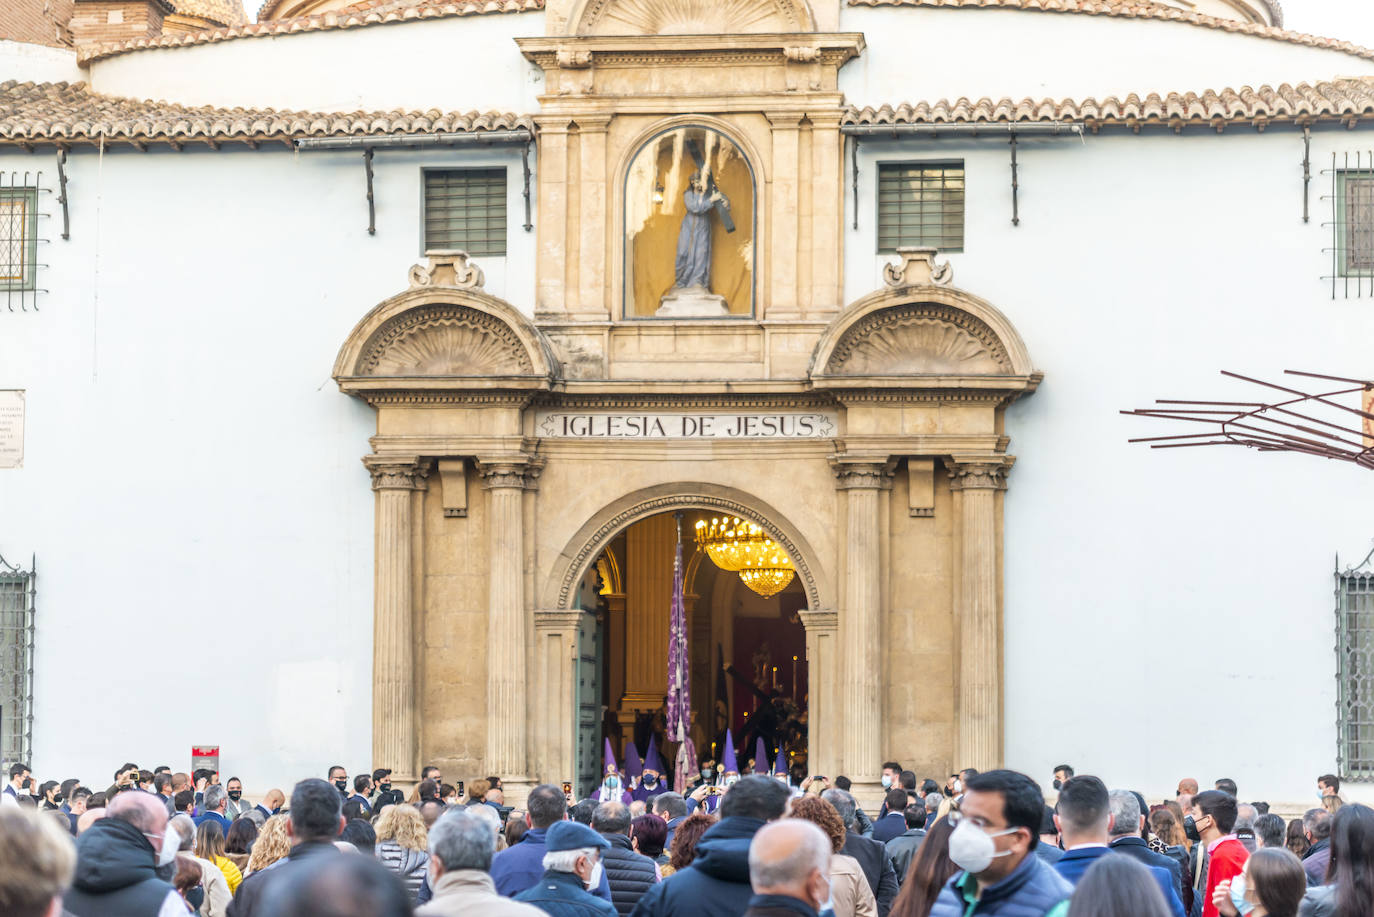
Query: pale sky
point(1352, 20)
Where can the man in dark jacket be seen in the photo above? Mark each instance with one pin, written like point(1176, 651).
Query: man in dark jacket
point(672, 808)
point(717, 882)
point(903, 847)
point(116, 858)
point(573, 852)
point(1316, 826)
point(1127, 823)
point(316, 820)
point(789, 868)
point(1004, 877)
point(631, 874)
point(872, 856)
point(520, 867)
point(893, 823)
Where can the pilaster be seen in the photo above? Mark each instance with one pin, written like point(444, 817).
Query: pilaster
point(976, 480)
point(822, 661)
point(553, 724)
point(394, 719)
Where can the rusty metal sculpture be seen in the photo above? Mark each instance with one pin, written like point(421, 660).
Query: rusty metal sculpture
point(1307, 422)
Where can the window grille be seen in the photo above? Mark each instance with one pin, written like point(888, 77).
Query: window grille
point(1352, 224)
point(466, 209)
point(1355, 667)
point(921, 203)
point(16, 662)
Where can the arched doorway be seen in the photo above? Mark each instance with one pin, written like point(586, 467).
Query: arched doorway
point(746, 651)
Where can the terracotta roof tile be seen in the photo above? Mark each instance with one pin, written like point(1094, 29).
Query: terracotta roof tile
point(1142, 9)
point(71, 113)
point(370, 12)
point(1337, 100)
point(223, 12)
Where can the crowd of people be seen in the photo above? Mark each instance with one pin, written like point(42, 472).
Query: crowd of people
point(760, 844)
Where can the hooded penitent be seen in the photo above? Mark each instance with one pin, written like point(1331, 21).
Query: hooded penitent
point(760, 756)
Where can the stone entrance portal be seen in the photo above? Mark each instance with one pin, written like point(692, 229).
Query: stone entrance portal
point(501, 482)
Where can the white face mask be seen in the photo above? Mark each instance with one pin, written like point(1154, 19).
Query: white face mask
point(171, 840)
point(1238, 895)
point(971, 848)
point(732, 780)
point(887, 781)
point(594, 880)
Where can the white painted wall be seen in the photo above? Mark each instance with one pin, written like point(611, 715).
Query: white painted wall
point(39, 63)
point(1168, 613)
point(926, 54)
point(456, 64)
point(192, 485)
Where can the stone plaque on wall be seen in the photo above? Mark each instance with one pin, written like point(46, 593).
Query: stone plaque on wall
point(11, 428)
point(633, 425)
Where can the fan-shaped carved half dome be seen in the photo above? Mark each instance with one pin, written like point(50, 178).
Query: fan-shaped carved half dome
point(691, 17)
point(919, 339)
point(444, 340)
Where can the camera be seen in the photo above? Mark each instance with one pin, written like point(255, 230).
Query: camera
point(567, 787)
point(460, 791)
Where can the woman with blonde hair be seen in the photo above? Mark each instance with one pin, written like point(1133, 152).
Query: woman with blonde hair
point(210, 846)
point(850, 894)
point(273, 844)
point(403, 845)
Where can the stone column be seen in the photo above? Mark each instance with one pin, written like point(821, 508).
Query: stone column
point(505, 479)
point(394, 718)
point(822, 659)
point(861, 621)
point(978, 697)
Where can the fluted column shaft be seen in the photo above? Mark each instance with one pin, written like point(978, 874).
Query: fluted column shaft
point(978, 730)
point(506, 721)
point(393, 624)
point(860, 625)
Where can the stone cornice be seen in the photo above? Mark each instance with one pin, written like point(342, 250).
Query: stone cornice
point(833, 48)
point(820, 621)
point(509, 471)
point(561, 620)
point(397, 472)
point(862, 472)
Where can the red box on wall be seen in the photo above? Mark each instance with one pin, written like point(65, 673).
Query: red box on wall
point(205, 756)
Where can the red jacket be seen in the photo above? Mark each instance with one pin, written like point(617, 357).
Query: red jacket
point(1225, 861)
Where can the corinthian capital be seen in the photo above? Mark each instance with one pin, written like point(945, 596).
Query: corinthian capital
point(395, 473)
point(857, 474)
point(980, 472)
point(518, 472)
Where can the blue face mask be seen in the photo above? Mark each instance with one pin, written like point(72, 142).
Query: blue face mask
point(1238, 895)
point(612, 783)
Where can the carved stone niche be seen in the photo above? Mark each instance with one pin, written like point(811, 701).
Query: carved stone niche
point(690, 17)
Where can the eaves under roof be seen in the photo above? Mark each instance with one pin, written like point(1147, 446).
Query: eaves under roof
point(1137, 9)
point(69, 114)
point(365, 13)
point(1343, 101)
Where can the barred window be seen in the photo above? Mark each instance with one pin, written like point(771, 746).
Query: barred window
point(18, 238)
point(1355, 668)
point(1355, 222)
point(16, 663)
point(466, 209)
point(921, 203)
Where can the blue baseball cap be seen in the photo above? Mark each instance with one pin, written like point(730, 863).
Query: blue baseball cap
point(572, 835)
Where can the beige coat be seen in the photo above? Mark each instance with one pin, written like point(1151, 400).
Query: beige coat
point(217, 894)
point(465, 892)
point(849, 891)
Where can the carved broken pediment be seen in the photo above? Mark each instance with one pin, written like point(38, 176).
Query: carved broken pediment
point(445, 340)
point(924, 339)
point(692, 17)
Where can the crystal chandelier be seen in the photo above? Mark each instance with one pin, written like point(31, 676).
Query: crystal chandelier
point(742, 547)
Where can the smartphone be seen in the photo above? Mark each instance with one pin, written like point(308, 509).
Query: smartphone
point(460, 790)
point(567, 787)
point(713, 791)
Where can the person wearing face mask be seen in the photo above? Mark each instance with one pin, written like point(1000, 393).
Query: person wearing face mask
point(1062, 775)
point(237, 805)
point(1271, 885)
point(386, 796)
point(651, 778)
point(271, 803)
point(461, 847)
point(362, 790)
point(116, 859)
point(20, 781)
point(789, 870)
point(995, 831)
point(574, 851)
point(706, 798)
point(338, 775)
point(706, 776)
point(612, 784)
point(1218, 855)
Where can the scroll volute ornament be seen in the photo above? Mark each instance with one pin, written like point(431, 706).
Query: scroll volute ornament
point(917, 266)
point(447, 268)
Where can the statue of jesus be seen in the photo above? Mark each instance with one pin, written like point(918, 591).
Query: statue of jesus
point(693, 268)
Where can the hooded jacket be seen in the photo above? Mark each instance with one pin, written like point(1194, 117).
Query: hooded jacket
point(717, 882)
point(114, 874)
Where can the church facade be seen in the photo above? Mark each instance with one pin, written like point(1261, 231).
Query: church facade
point(370, 378)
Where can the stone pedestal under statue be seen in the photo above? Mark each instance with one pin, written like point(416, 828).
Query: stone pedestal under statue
point(691, 302)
